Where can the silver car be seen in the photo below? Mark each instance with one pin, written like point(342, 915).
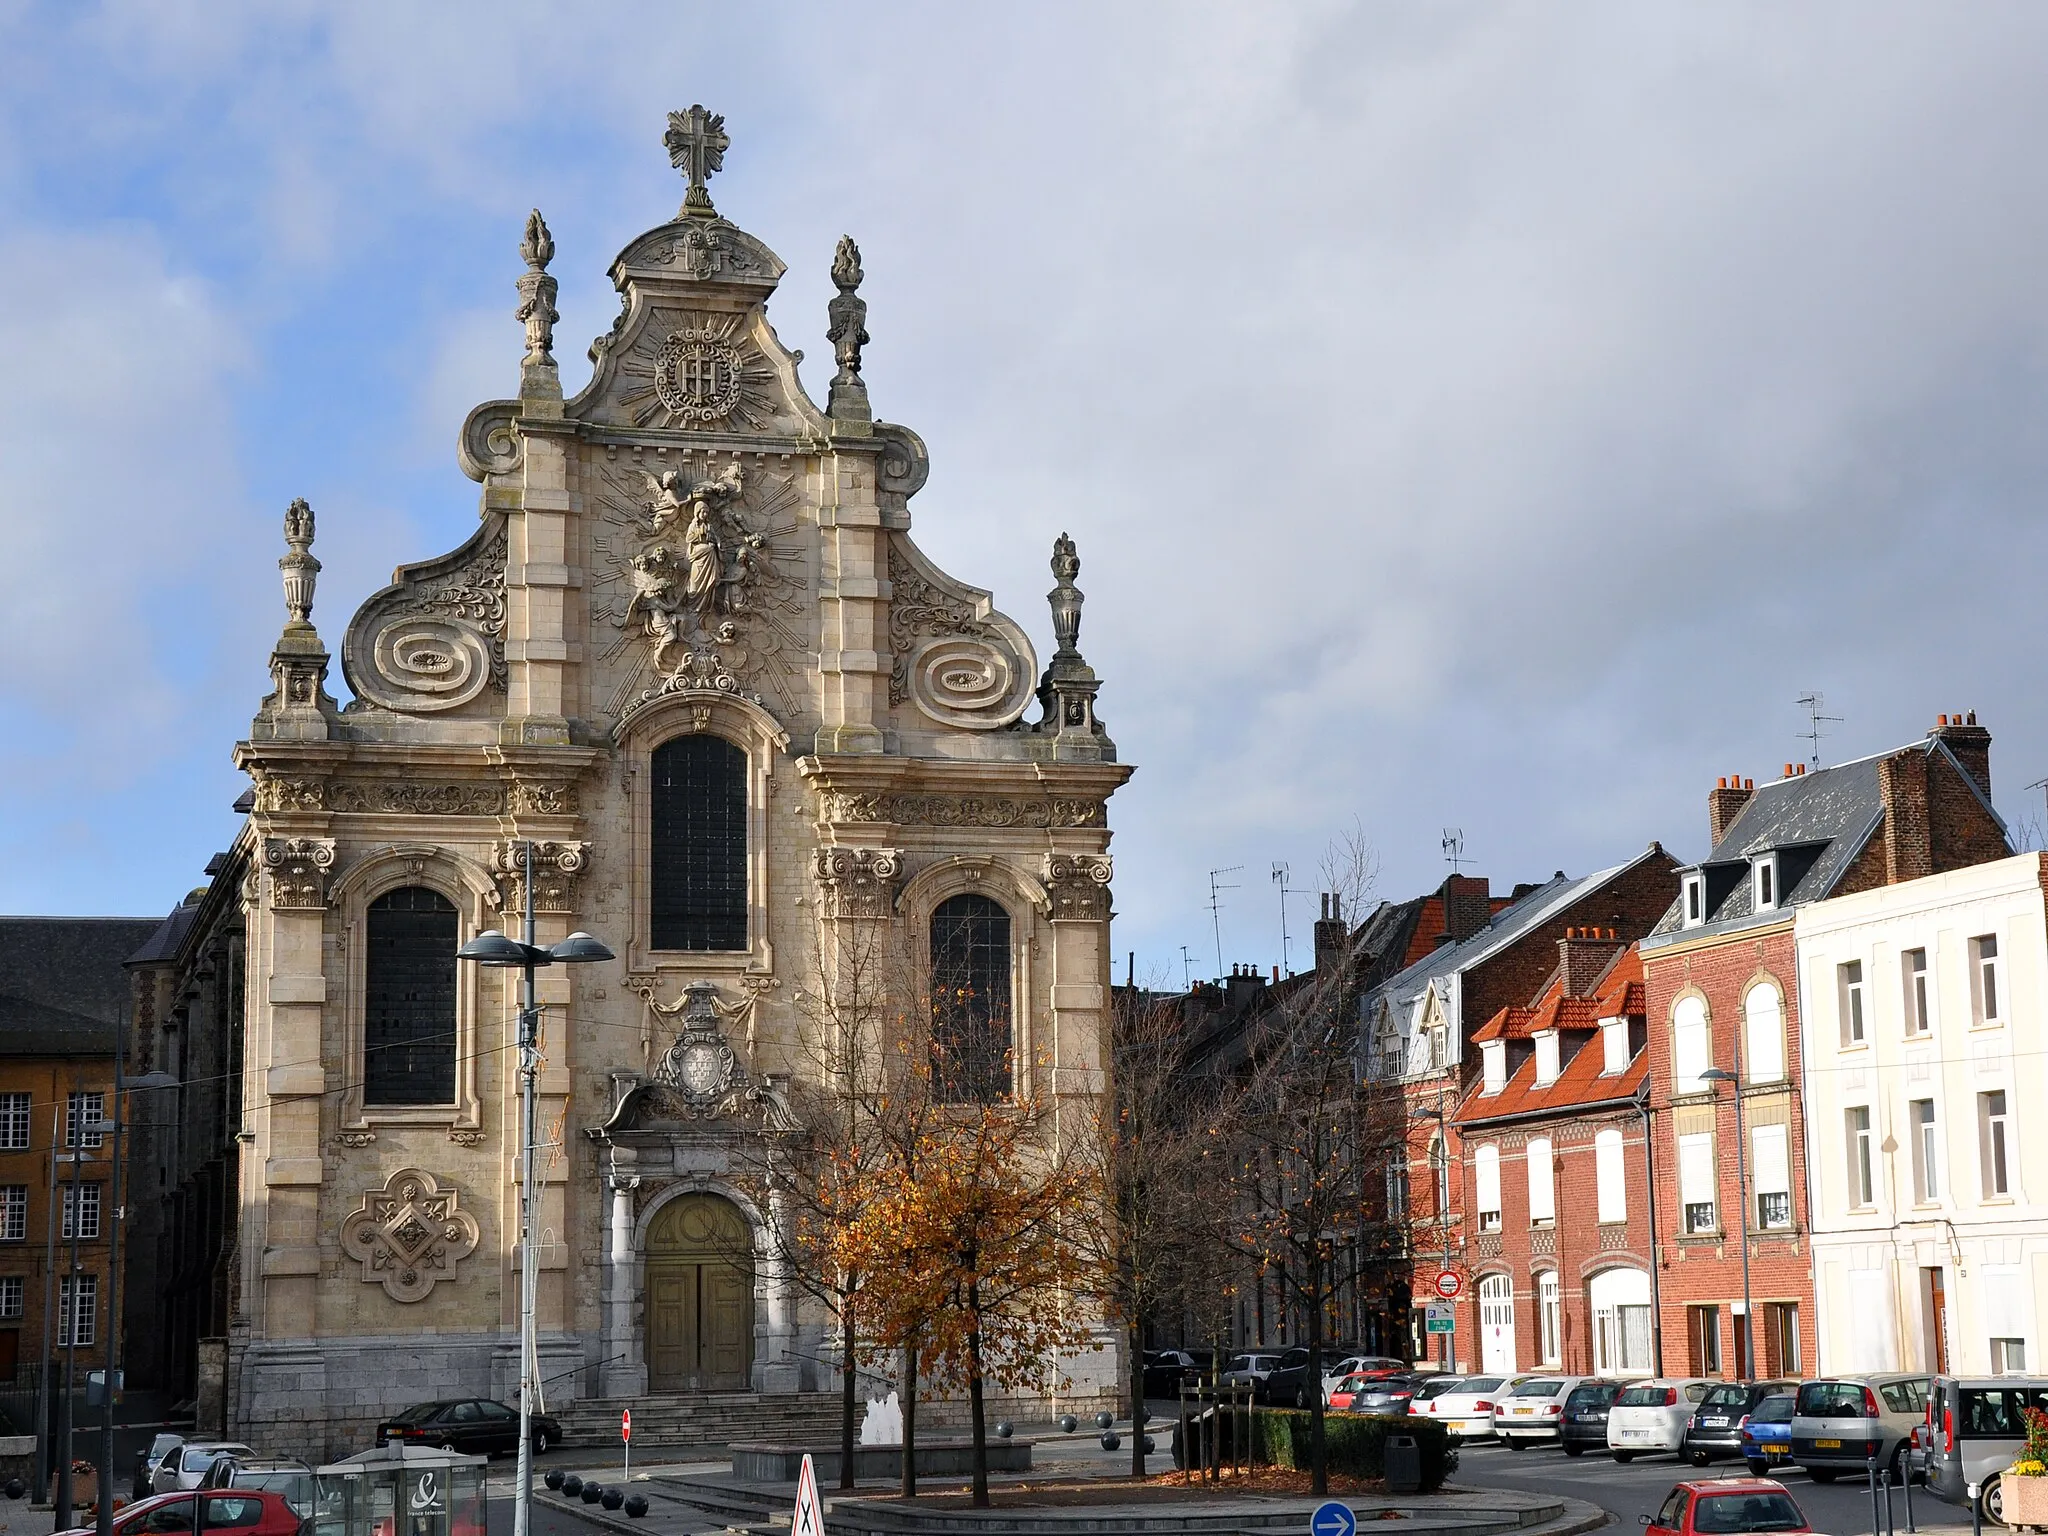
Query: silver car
point(1842, 1423)
point(1975, 1431)
point(187, 1466)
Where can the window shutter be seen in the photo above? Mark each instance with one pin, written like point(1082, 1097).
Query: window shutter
point(1542, 1195)
point(1771, 1163)
point(1486, 1163)
point(1689, 1046)
point(2003, 1311)
point(1764, 1045)
point(1695, 1169)
point(1610, 1172)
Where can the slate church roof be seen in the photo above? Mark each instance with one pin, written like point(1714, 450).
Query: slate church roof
point(63, 986)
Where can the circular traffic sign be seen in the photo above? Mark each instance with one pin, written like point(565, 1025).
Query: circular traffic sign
point(1449, 1284)
point(626, 1425)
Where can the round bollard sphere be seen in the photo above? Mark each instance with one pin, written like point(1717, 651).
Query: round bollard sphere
point(1104, 1419)
point(1005, 1429)
point(572, 1485)
point(554, 1479)
point(1068, 1423)
point(1151, 1445)
point(612, 1498)
point(16, 1488)
point(592, 1492)
point(1109, 1440)
point(636, 1506)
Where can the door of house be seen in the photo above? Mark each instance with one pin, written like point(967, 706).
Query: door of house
point(1937, 1322)
point(700, 1297)
point(1497, 1325)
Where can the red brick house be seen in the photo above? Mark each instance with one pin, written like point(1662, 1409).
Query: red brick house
point(1722, 993)
point(1554, 1173)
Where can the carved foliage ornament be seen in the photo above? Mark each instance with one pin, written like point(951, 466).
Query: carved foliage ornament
point(958, 810)
point(557, 871)
point(298, 871)
point(858, 882)
point(1079, 885)
point(407, 1234)
point(407, 797)
point(531, 799)
point(274, 794)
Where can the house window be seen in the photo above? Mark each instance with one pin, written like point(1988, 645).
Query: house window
point(1985, 998)
point(697, 855)
point(92, 1106)
point(1771, 1175)
point(970, 938)
point(1857, 1125)
point(1493, 1065)
point(1385, 1060)
point(1549, 1315)
point(1397, 1184)
point(14, 1122)
point(1486, 1174)
point(1765, 871)
point(1994, 1144)
point(1763, 1031)
point(1781, 1338)
point(11, 1287)
point(1610, 1175)
point(2008, 1356)
point(1913, 984)
point(1695, 900)
point(1546, 1058)
point(1689, 1045)
point(1615, 1054)
point(1926, 1151)
point(1849, 1000)
point(1542, 1184)
point(79, 1323)
point(1703, 1340)
point(409, 999)
point(87, 1205)
point(1440, 1175)
point(1696, 1181)
point(13, 1213)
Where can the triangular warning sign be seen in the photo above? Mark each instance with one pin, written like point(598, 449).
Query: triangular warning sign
point(809, 1519)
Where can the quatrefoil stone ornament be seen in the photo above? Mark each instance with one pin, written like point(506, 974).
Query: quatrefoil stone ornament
point(407, 1234)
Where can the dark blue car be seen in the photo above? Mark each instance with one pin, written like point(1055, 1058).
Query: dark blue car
point(1767, 1434)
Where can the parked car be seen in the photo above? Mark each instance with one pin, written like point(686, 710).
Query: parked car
point(1726, 1506)
point(475, 1425)
point(1649, 1417)
point(186, 1466)
point(1167, 1369)
point(1716, 1425)
point(1465, 1408)
point(1976, 1426)
point(1767, 1433)
point(1344, 1397)
point(1290, 1384)
point(1840, 1423)
point(1426, 1393)
point(250, 1512)
point(1370, 1366)
point(1532, 1412)
point(1251, 1371)
point(146, 1461)
point(285, 1475)
point(1392, 1394)
point(1585, 1416)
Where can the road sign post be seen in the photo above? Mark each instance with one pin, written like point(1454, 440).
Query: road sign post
point(809, 1516)
point(626, 1434)
point(1450, 1285)
point(1333, 1517)
point(1440, 1317)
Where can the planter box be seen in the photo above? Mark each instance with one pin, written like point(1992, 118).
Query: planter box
point(2026, 1500)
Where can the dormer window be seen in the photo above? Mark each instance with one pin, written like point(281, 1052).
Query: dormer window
point(1546, 1058)
point(1695, 898)
point(1614, 1051)
point(1493, 1056)
point(1764, 877)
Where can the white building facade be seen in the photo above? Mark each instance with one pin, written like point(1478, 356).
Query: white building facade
point(1926, 1112)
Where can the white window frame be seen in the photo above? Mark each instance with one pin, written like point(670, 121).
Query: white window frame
point(1397, 1184)
point(1995, 1143)
point(88, 1206)
point(1549, 1317)
point(1763, 882)
point(1987, 985)
point(1698, 1200)
point(14, 1122)
point(87, 1289)
point(1692, 1044)
point(1542, 1182)
point(1862, 1165)
point(92, 1105)
point(13, 1213)
point(1850, 1004)
point(1486, 1179)
point(1916, 999)
point(1771, 1031)
point(1924, 1120)
point(1694, 913)
point(1440, 1175)
point(1610, 1175)
point(1770, 1162)
point(12, 1291)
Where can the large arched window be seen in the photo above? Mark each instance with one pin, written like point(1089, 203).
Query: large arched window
point(1763, 1057)
point(970, 999)
point(1691, 1050)
point(409, 999)
point(698, 861)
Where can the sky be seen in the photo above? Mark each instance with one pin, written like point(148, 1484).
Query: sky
point(1492, 417)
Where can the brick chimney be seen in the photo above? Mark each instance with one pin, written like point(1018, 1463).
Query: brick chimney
point(1332, 936)
point(1724, 803)
point(1908, 845)
point(1582, 955)
point(1468, 905)
point(1971, 743)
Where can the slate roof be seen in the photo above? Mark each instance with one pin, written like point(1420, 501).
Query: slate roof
point(1618, 994)
point(63, 988)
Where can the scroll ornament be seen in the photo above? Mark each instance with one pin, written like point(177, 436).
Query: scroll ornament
point(1079, 886)
point(298, 871)
point(858, 882)
point(407, 1234)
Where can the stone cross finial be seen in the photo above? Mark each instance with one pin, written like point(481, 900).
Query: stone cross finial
point(696, 146)
point(537, 300)
point(1066, 598)
point(298, 566)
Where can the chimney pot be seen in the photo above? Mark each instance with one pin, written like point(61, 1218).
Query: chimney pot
point(1276, 975)
point(1788, 770)
point(1973, 718)
point(1749, 783)
point(1722, 782)
point(1941, 719)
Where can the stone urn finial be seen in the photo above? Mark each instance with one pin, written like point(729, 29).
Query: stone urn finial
point(1066, 598)
point(298, 566)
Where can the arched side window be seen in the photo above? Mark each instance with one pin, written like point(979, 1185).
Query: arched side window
point(1690, 1050)
point(1440, 1174)
point(1763, 1035)
point(1610, 1175)
point(971, 1035)
point(1397, 1182)
point(1542, 1183)
point(698, 854)
point(409, 999)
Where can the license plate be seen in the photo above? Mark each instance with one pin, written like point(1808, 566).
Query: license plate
point(1713, 1423)
point(1635, 1434)
point(1827, 1445)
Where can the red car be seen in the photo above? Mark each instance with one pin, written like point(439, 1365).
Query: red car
point(1727, 1506)
point(245, 1511)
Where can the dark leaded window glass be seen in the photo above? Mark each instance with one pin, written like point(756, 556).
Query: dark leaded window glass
point(699, 857)
point(409, 1004)
point(971, 999)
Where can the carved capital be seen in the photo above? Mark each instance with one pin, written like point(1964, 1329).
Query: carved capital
point(858, 882)
point(557, 874)
point(466, 1136)
point(1079, 886)
point(407, 1234)
point(298, 871)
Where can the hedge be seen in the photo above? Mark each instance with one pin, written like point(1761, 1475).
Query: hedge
point(1353, 1443)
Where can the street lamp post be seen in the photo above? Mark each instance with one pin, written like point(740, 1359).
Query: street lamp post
point(1718, 1075)
point(492, 948)
point(1440, 1192)
point(122, 1087)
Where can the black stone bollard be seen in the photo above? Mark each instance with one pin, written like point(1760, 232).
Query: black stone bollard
point(636, 1506)
point(592, 1492)
point(1068, 1423)
point(1109, 1440)
point(572, 1485)
point(612, 1498)
point(554, 1479)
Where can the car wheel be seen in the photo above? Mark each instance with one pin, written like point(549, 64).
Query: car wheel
point(1897, 1465)
point(541, 1442)
point(1624, 1457)
point(1758, 1467)
point(1575, 1450)
point(1301, 1397)
point(1992, 1500)
point(1698, 1458)
point(1821, 1474)
point(1509, 1441)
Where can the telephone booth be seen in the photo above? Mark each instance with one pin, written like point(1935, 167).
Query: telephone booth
point(404, 1490)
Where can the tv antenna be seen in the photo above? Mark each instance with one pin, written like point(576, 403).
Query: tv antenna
point(1280, 879)
point(1813, 704)
point(1187, 966)
point(1454, 847)
point(1216, 908)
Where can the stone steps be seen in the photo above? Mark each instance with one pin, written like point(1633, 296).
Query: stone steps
point(706, 1418)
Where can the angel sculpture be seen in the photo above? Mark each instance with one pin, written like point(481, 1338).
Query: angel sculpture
point(654, 600)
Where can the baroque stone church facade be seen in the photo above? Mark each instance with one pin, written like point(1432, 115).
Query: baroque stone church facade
point(693, 658)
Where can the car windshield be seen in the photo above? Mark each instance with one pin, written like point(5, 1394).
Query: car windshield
point(1437, 1386)
point(295, 1486)
point(1642, 1397)
point(1539, 1386)
point(1773, 1410)
point(1592, 1397)
point(1830, 1400)
point(1725, 1397)
point(1480, 1384)
point(1719, 1513)
point(419, 1413)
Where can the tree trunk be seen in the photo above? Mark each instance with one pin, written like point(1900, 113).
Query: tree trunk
point(1319, 1463)
point(847, 1394)
point(978, 1422)
point(1135, 1364)
point(909, 1481)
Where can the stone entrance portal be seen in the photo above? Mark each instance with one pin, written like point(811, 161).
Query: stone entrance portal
point(700, 1297)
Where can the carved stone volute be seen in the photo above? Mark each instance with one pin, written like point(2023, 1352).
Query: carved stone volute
point(858, 882)
point(298, 867)
point(1079, 886)
point(557, 874)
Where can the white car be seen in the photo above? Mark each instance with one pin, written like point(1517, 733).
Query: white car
point(1466, 1407)
point(1649, 1417)
point(1352, 1365)
point(187, 1466)
point(1532, 1411)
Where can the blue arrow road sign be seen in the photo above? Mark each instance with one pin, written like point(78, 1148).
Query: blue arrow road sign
point(1333, 1518)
